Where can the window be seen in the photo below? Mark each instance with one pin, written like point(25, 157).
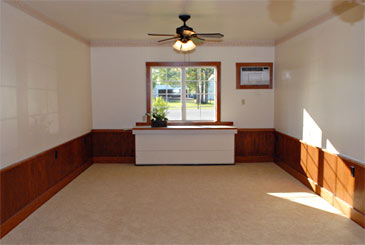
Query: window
point(189, 90)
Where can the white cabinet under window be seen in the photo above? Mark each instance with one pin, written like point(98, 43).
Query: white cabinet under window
point(185, 145)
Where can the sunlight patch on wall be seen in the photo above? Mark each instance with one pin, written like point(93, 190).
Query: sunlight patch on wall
point(308, 199)
point(330, 148)
point(312, 134)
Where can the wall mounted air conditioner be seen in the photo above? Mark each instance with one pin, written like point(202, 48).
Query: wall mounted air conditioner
point(255, 75)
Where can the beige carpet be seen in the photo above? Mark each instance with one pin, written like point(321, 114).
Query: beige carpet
point(254, 203)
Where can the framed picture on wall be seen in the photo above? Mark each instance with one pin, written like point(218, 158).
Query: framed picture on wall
point(254, 75)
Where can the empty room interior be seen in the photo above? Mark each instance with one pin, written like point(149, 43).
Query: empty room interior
point(182, 122)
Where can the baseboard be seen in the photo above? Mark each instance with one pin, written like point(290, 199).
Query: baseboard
point(114, 160)
point(22, 214)
point(345, 208)
point(245, 159)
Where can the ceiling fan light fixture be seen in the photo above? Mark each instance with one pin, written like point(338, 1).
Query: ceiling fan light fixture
point(184, 46)
point(184, 34)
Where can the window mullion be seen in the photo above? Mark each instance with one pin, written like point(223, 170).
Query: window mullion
point(183, 93)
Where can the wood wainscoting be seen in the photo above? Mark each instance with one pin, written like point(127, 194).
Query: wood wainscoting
point(254, 145)
point(329, 175)
point(26, 185)
point(118, 145)
point(113, 146)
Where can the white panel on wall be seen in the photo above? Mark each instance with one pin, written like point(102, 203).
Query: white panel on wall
point(320, 86)
point(119, 84)
point(45, 87)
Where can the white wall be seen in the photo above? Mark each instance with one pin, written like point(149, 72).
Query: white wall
point(45, 86)
point(319, 90)
point(119, 84)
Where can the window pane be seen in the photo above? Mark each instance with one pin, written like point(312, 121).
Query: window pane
point(159, 88)
point(174, 107)
point(159, 74)
point(171, 106)
point(174, 87)
point(200, 107)
point(191, 87)
point(174, 74)
point(191, 74)
point(200, 89)
point(207, 74)
point(207, 87)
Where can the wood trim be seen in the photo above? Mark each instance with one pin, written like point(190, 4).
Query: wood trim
point(113, 146)
point(24, 184)
point(353, 161)
point(254, 145)
point(21, 5)
point(238, 76)
point(187, 123)
point(14, 165)
point(148, 90)
point(183, 64)
point(327, 174)
point(16, 219)
point(218, 112)
point(187, 128)
point(246, 159)
point(118, 145)
point(256, 130)
point(216, 64)
point(345, 208)
point(114, 160)
point(110, 130)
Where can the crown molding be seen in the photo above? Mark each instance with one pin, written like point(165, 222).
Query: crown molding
point(43, 18)
point(336, 11)
point(152, 43)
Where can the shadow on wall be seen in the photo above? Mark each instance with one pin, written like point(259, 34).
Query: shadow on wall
point(339, 7)
point(280, 12)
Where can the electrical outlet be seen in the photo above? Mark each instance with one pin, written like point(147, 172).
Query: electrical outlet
point(243, 101)
point(352, 171)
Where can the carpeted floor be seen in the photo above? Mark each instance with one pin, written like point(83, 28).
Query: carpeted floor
point(254, 203)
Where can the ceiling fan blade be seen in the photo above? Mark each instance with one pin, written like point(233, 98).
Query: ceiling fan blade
point(210, 35)
point(171, 38)
point(195, 36)
point(197, 40)
point(162, 35)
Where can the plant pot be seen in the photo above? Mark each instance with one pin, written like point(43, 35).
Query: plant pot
point(158, 124)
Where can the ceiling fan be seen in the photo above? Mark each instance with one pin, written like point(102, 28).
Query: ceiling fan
point(185, 36)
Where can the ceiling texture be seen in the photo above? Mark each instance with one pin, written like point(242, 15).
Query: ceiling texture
point(238, 20)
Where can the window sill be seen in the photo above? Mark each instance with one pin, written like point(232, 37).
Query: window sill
point(189, 123)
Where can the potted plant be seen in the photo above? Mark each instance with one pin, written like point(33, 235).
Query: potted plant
point(159, 112)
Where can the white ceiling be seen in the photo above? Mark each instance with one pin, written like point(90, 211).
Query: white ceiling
point(131, 20)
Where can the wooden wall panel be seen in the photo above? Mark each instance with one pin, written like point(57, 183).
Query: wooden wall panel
point(118, 146)
point(23, 183)
point(254, 145)
point(288, 149)
point(359, 195)
point(329, 175)
point(308, 161)
point(113, 146)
